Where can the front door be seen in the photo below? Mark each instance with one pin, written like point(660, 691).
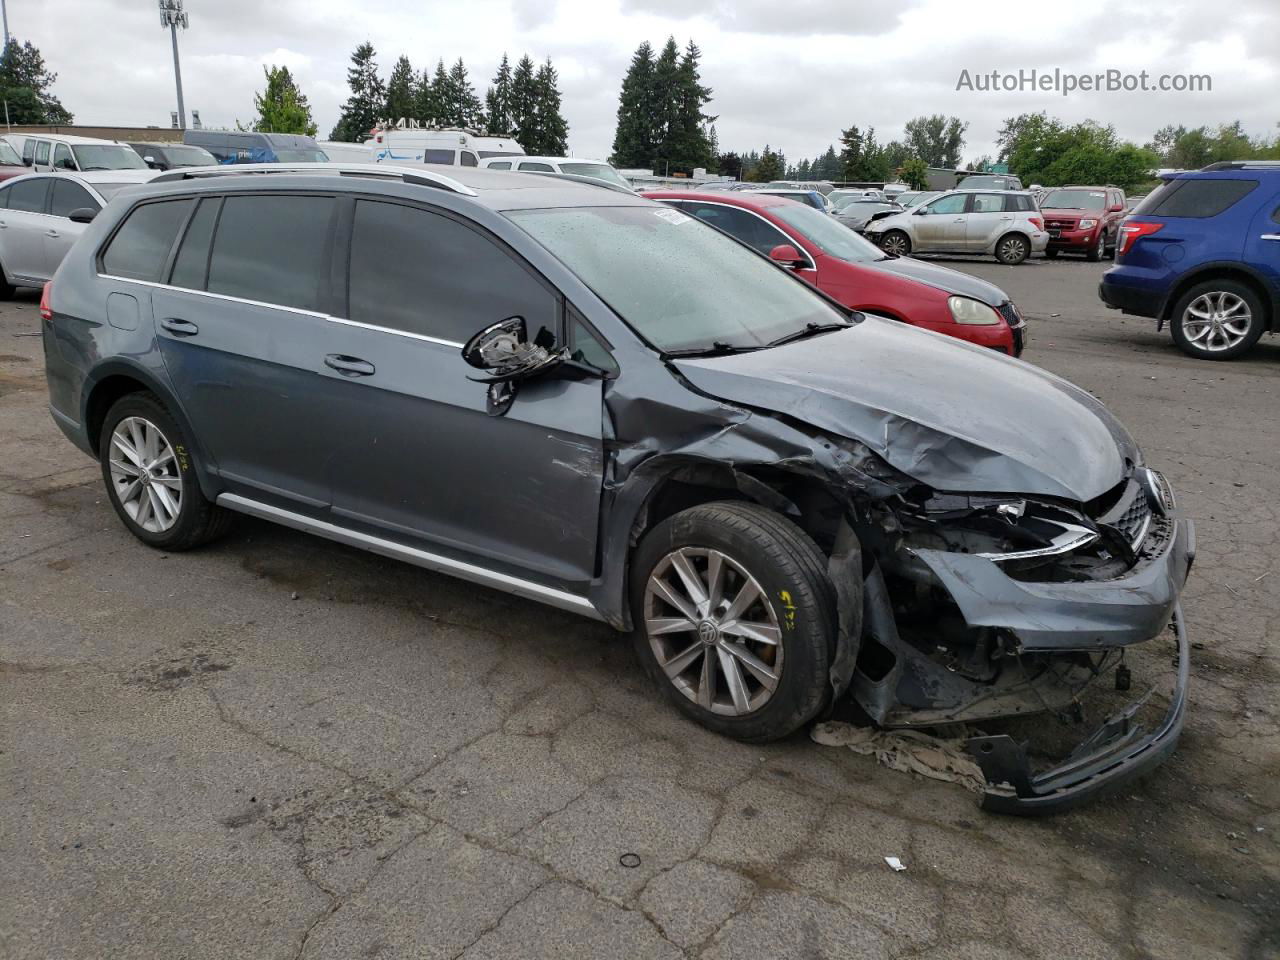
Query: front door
point(423, 458)
point(941, 226)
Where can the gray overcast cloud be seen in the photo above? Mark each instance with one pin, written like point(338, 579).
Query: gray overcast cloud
point(789, 75)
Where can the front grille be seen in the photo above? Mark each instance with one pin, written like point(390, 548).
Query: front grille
point(1057, 224)
point(1010, 314)
point(1133, 523)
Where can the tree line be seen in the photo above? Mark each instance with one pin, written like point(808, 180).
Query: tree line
point(25, 86)
point(523, 102)
point(662, 123)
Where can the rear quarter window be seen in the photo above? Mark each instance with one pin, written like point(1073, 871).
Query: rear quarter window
point(1195, 198)
point(140, 248)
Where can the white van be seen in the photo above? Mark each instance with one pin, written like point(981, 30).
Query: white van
point(340, 152)
point(45, 152)
point(595, 169)
point(451, 145)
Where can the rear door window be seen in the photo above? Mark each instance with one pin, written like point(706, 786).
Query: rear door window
point(140, 248)
point(29, 195)
point(28, 150)
point(539, 167)
point(502, 165)
point(988, 203)
point(273, 249)
point(68, 196)
point(427, 274)
point(191, 265)
point(1196, 198)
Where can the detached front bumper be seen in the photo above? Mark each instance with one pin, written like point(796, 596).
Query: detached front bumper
point(1116, 752)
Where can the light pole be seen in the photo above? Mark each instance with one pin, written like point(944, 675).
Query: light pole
point(173, 16)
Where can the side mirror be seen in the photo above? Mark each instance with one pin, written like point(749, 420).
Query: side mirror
point(150, 162)
point(919, 211)
point(788, 256)
point(82, 215)
point(505, 352)
point(1115, 208)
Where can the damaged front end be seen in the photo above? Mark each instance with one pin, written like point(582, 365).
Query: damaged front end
point(978, 607)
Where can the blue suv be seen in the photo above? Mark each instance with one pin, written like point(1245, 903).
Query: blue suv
point(1202, 253)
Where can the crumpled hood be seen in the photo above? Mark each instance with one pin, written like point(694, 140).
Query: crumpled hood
point(944, 278)
point(951, 415)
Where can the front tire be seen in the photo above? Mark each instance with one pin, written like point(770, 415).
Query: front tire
point(896, 243)
point(150, 477)
point(1099, 249)
point(735, 619)
point(1052, 253)
point(1012, 249)
point(1217, 320)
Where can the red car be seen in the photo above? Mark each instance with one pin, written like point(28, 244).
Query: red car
point(11, 164)
point(1083, 220)
point(855, 271)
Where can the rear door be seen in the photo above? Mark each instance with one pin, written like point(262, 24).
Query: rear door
point(422, 456)
point(986, 221)
point(65, 195)
point(23, 224)
point(1262, 247)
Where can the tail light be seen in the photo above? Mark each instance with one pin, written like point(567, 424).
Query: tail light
point(1037, 222)
point(46, 311)
point(1130, 233)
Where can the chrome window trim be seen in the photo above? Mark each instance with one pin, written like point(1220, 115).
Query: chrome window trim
point(733, 206)
point(421, 558)
point(215, 296)
point(398, 333)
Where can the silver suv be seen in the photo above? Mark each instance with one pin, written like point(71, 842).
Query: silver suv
point(1005, 224)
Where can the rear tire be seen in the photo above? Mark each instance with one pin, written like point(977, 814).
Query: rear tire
point(1012, 249)
point(1217, 320)
point(896, 243)
point(767, 617)
point(150, 477)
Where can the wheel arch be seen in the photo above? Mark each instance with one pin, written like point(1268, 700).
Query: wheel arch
point(1229, 270)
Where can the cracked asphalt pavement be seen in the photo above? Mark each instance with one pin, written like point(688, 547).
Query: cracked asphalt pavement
point(280, 747)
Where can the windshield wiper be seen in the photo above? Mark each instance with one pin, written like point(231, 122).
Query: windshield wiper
point(810, 329)
point(716, 349)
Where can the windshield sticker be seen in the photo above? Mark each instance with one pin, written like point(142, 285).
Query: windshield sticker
point(671, 216)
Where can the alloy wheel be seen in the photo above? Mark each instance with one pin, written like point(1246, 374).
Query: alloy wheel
point(1217, 321)
point(144, 474)
point(895, 244)
point(713, 630)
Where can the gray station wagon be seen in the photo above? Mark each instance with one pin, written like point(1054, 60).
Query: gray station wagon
point(592, 400)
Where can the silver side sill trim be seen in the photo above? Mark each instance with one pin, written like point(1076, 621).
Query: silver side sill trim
point(420, 558)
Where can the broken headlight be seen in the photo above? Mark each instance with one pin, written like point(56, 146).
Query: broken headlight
point(1001, 528)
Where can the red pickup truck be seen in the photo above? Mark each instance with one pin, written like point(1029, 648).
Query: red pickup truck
point(1082, 220)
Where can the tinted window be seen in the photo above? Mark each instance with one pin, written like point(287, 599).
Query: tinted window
point(192, 262)
point(28, 149)
point(62, 158)
point(755, 232)
point(502, 165)
point(141, 246)
point(1199, 198)
point(951, 204)
point(542, 167)
point(29, 195)
point(1015, 202)
point(427, 274)
point(586, 348)
point(68, 196)
point(438, 156)
point(42, 151)
point(469, 159)
point(988, 203)
point(272, 249)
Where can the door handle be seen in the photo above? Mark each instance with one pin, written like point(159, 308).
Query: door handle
point(958, 220)
point(1265, 236)
point(1006, 218)
point(53, 233)
point(349, 366)
point(179, 327)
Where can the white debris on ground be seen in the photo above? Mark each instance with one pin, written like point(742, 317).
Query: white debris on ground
point(895, 864)
point(909, 751)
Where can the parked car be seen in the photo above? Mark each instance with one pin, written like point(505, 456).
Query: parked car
point(244, 146)
point(704, 449)
point(1005, 225)
point(11, 164)
point(167, 156)
point(1082, 220)
point(990, 181)
point(856, 273)
point(36, 220)
point(452, 146)
point(46, 152)
point(859, 213)
point(810, 198)
point(595, 169)
point(1202, 254)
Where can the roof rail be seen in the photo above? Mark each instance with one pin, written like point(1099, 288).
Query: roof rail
point(377, 170)
point(1242, 165)
point(579, 178)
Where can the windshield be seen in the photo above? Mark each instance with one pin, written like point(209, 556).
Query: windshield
point(1074, 200)
point(301, 155)
point(189, 157)
point(107, 157)
point(679, 284)
point(8, 155)
point(830, 235)
point(599, 171)
point(985, 183)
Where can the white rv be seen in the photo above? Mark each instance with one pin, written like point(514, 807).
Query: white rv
point(449, 145)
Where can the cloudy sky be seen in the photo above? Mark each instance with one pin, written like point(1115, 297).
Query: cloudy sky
point(789, 74)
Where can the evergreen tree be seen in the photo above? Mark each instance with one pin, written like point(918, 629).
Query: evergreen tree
point(368, 97)
point(497, 102)
point(459, 106)
point(524, 104)
point(442, 95)
point(663, 122)
point(862, 160)
point(426, 106)
point(633, 144)
point(770, 167)
point(688, 144)
point(729, 165)
point(552, 130)
point(25, 84)
point(400, 91)
point(282, 107)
